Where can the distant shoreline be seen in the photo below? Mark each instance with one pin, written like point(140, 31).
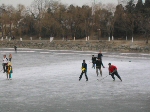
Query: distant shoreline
point(81, 45)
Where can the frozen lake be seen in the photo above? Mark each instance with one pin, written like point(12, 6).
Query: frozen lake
point(47, 81)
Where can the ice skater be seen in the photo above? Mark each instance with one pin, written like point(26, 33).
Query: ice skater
point(5, 61)
point(84, 70)
point(98, 66)
point(93, 61)
point(113, 71)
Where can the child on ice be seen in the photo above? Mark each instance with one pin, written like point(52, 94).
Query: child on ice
point(9, 71)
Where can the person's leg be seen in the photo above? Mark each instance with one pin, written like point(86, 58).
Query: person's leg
point(86, 76)
point(4, 67)
point(97, 71)
point(101, 71)
point(10, 75)
point(113, 76)
point(92, 64)
point(80, 76)
point(116, 73)
point(7, 75)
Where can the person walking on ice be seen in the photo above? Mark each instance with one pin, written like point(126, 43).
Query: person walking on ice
point(113, 71)
point(98, 66)
point(84, 70)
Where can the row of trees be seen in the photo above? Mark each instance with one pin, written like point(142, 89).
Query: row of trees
point(46, 18)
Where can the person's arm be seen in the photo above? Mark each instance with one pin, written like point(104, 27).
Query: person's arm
point(86, 67)
point(109, 70)
point(102, 65)
point(81, 66)
point(114, 70)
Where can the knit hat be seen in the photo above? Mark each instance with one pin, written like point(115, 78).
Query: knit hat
point(109, 63)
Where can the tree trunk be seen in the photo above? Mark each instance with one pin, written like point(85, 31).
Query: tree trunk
point(146, 39)
point(2, 30)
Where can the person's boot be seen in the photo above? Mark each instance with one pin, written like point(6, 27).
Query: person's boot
point(79, 78)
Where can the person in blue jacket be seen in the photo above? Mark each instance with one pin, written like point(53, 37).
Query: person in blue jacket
point(84, 70)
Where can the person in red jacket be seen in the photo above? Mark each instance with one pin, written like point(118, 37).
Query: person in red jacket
point(113, 71)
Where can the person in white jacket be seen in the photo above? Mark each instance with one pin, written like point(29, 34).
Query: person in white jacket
point(5, 61)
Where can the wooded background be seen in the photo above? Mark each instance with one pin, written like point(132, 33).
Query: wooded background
point(48, 18)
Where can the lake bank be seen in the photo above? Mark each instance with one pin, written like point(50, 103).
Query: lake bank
point(80, 45)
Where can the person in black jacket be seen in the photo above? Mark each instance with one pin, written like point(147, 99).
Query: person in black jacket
point(15, 47)
point(84, 70)
point(100, 55)
point(93, 61)
point(98, 66)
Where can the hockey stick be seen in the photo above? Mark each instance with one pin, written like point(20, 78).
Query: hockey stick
point(102, 78)
point(90, 62)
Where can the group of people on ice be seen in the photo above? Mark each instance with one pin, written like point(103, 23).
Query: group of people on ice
point(98, 62)
point(7, 66)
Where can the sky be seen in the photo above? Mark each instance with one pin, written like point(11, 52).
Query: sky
point(74, 2)
point(67, 2)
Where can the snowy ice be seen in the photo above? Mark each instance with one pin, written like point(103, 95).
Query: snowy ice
point(48, 81)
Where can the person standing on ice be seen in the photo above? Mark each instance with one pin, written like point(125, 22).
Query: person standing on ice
point(15, 47)
point(9, 71)
point(113, 71)
point(84, 70)
point(98, 66)
point(5, 61)
point(93, 61)
point(10, 57)
point(100, 55)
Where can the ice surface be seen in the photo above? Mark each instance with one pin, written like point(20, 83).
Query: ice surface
point(47, 81)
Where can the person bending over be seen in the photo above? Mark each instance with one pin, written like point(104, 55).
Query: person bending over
point(113, 71)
